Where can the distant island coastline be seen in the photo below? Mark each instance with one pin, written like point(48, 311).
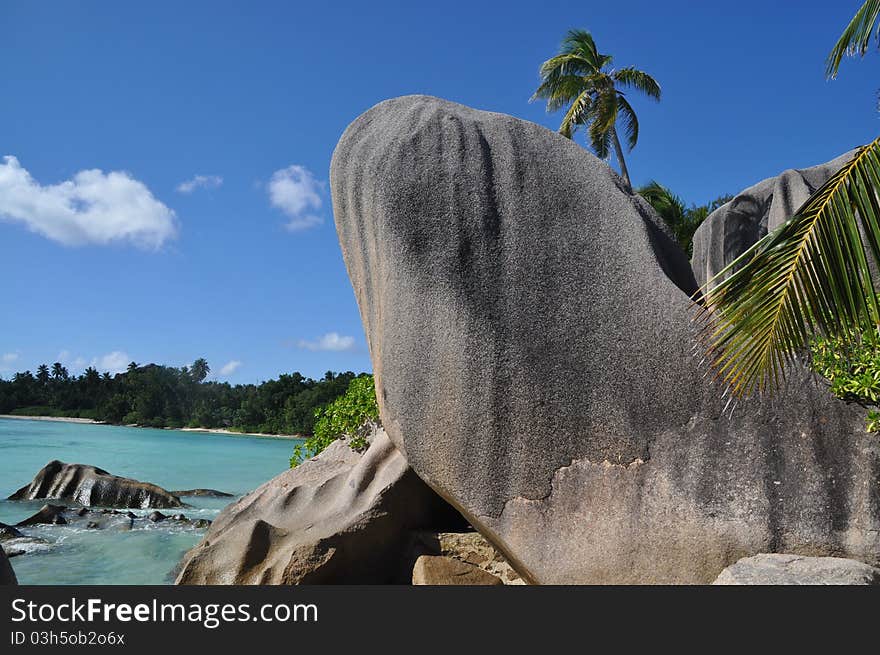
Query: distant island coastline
point(70, 419)
point(166, 397)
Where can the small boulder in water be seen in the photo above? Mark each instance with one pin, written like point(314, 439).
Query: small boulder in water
point(48, 514)
point(155, 517)
point(201, 523)
point(93, 525)
point(8, 532)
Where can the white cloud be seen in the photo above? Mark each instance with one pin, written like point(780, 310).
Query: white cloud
point(296, 192)
point(331, 341)
point(115, 362)
point(73, 363)
point(6, 361)
point(230, 367)
point(200, 181)
point(91, 208)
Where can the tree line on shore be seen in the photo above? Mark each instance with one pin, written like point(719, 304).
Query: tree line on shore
point(165, 396)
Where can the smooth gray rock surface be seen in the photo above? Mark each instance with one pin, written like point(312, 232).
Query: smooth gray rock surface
point(736, 226)
point(784, 569)
point(530, 331)
point(91, 486)
point(7, 575)
point(339, 518)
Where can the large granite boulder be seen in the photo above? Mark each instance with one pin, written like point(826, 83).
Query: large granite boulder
point(736, 226)
point(7, 575)
point(88, 485)
point(785, 569)
point(530, 329)
point(339, 518)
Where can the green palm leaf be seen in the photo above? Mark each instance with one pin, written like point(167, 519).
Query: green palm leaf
point(635, 79)
point(630, 122)
point(855, 38)
point(809, 275)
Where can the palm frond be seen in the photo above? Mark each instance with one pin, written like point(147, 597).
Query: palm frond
point(601, 141)
point(635, 79)
point(577, 114)
point(603, 116)
point(855, 38)
point(809, 275)
point(566, 64)
point(581, 42)
point(560, 90)
point(629, 120)
point(669, 206)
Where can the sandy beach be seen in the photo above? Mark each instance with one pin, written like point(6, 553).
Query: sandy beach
point(58, 419)
point(241, 434)
point(65, 419)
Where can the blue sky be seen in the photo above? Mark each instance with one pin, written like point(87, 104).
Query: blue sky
point(165, 193)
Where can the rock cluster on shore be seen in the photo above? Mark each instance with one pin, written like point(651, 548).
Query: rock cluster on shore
point(99, 519)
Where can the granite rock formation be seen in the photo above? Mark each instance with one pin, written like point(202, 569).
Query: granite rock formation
point(736, 226)
point(529, 323)
point(339, 518)
point(91, 486)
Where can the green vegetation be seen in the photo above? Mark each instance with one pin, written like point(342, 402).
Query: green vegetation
point(682, 220)
point(582, 79)
point(352, 415)
point(811, 275)
point(164, 396)
point(853, 371)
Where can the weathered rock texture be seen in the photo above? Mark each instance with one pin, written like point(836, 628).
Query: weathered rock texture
point(442, 570)
point(530, 330)
point(88, 485)
point(468, 547)
point(784, 569)
point(733, 228)
point(7, 575)
point(340, 517)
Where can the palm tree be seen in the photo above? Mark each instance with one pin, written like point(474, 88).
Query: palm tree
point(669, 206)
point(811, 275)
point(43, 374)
point(200, 369)
point(57, 370)
point(582, 79)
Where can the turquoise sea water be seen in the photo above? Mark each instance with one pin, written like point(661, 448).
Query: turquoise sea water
point(173, 460)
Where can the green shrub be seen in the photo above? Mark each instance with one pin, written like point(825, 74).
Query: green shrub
point(352, 415)
point(852, 371)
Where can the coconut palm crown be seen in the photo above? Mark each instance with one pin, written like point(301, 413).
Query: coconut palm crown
point(582, 79)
